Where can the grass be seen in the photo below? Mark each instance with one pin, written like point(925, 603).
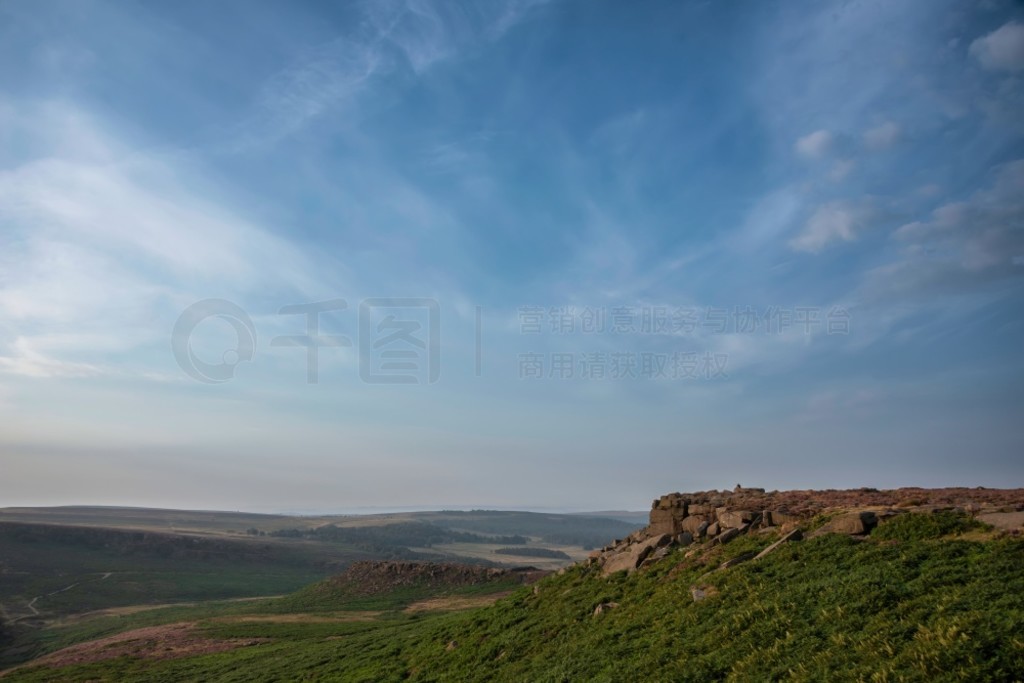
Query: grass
point(909, 604)
point(921, 527)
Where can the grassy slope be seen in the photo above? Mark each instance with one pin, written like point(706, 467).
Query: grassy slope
point(56, 562)
point(156, 568)
point(902, 606)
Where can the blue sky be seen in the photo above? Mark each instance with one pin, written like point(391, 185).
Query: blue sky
point(845, 178)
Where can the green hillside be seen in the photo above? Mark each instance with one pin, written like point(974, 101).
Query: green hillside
point(924, 598)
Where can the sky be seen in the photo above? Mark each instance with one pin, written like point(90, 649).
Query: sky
point(563, 254)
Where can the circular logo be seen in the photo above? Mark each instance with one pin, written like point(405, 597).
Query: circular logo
point(189, 320)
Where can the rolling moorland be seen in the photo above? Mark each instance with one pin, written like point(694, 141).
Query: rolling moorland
point(66, 565)
point(911, 585)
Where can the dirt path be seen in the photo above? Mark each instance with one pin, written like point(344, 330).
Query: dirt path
point(32, 603)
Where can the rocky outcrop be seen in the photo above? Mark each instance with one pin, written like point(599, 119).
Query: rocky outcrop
point(682, 519)
point(371, 577)
point(713, 518)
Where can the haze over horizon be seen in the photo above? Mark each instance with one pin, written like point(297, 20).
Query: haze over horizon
point(617, 250)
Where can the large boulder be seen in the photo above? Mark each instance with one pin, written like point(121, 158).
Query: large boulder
point(624, 561)
point(1008, 521)
point(781, 517)
point(735, 518)
point(631, 557)
point(693, 524)
point(658, 541)
point(665, 521)
point(851, 523)
point(727, 535)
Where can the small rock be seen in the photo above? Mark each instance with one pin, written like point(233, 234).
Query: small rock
point(699, 593)
point(727, 535)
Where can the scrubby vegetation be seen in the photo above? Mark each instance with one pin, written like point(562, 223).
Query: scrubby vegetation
point(926, 526)
point(910, 603)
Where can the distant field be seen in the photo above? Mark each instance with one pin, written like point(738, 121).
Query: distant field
point(162, 520)
point(566, 529)
point(50, 572)
point(56, 563)
point(923, 598)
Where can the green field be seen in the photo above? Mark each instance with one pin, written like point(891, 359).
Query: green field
point(924, 599)
point(58, 564)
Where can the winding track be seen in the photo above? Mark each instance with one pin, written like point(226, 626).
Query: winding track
point(32, 603)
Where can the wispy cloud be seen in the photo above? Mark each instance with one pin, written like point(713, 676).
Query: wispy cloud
point(882, 136)
point(102, 237)
point(814, 145)
point(389, 36)
point(830, 223)
point(962, 245)
point(1002, 49)
point(29, 360)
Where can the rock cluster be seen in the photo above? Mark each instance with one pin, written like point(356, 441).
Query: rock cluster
point(715, 515)
point(682, 519)
point(373, 577)
point(718, 517)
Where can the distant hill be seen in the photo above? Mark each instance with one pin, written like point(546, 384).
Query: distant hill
point(633, 517)
point(63, 562)
point(810, 586)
